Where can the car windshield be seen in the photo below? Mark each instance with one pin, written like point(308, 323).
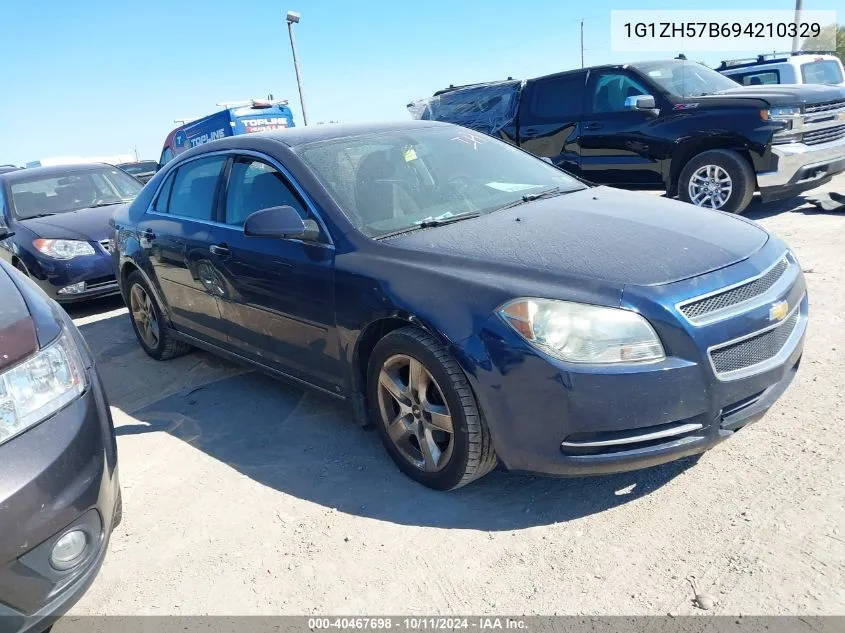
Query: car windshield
point(401, 180)
point(139, 168)
point(825, 71)
point(684, 79)
point(71, 191)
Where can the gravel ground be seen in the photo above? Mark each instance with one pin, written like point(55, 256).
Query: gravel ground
point(245, 496)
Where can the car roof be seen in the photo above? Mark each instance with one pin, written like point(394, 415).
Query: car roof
point(52, 171)
point(295, 136)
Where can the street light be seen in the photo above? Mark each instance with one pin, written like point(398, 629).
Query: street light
point(293, 18)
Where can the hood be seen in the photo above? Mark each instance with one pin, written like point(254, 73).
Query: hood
point(781, 94)
point(17, 330)
point(599, 233)
point(84, 224)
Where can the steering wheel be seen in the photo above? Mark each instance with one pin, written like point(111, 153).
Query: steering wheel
point(459, 188)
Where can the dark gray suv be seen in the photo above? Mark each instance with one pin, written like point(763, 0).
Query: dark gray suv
point(59, 491)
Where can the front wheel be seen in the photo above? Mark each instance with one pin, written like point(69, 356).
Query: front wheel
point(717, 179)
point(426, 412)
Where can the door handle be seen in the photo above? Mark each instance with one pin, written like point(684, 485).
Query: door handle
point(221, 250)
point(593, 126)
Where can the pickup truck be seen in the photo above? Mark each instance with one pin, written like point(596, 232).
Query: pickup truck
point(672, 124)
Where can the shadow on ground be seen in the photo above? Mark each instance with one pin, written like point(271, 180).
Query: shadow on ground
point(307, 446)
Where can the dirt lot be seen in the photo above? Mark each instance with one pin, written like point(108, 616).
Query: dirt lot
point(245, 496)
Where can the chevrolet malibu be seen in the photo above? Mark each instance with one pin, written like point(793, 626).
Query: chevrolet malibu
point(474, 303)
point(59, 490)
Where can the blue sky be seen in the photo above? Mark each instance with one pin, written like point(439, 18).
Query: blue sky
point(97, 77)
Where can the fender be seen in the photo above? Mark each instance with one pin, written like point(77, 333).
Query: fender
point(127, 260)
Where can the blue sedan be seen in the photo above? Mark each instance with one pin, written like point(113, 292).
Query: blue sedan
point(58, 218)
point(473, 303)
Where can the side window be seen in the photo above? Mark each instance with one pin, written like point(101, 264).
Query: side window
point(557, 98)
point(166, 156)
point(163, 199)
point(761, 78)
point(608, 91)
point(256, 185)
point(194, 188)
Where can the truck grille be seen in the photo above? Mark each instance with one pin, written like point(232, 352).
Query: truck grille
point(824, 107)
point(825, 135)
point(754, 350)
point(701, 308)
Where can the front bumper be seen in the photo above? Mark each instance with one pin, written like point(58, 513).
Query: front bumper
point(556, 418)
point(800, 167)
point(95, 271)
point(57, 476)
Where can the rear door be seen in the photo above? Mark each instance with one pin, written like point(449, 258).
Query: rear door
point(549, 118)
point(279, 293)
point(175, 231)
point(616, 147)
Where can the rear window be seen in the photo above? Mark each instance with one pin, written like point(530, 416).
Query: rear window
point(757, 79)
point(826, 71)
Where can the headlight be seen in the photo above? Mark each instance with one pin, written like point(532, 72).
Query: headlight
point(40, 386)
point(784, 112)
point(581, 333)
point(63, 249)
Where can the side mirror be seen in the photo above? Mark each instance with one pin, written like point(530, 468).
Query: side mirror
point(4, 230)
point(280, 222)
point(640, 102)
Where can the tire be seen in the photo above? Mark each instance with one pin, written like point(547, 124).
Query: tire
point(718, 162)
point(164, 345)
point(462, 456)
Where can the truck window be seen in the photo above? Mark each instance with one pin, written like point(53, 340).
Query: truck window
point(760, 78)
point(825, 71)
point(608, 91)
point(557, 98)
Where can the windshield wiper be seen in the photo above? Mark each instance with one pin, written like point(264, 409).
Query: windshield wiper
point(531, 197)
point(429, 222)
point(39, 215)
point(106, 204)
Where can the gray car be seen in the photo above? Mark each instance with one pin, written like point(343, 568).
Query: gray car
point(59, 490)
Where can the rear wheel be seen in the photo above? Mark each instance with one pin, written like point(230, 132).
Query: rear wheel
point(717, 179)
point(426, 412)
point(153, 333)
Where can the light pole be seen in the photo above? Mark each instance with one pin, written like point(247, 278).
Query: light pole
point(293, 18)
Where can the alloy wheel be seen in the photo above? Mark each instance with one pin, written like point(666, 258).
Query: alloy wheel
point(710, 186)
point(144, 316)
point(415, 414)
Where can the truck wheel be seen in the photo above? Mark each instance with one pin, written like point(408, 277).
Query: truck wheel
point(718, 179)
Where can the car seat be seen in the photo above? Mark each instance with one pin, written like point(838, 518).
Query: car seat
point(380, 192)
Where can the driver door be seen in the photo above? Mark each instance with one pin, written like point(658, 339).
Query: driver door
point(616, 147)
point(278, 294)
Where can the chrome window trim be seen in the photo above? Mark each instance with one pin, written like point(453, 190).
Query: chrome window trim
point(743, 306)
point(774, 361)
point(234, 153)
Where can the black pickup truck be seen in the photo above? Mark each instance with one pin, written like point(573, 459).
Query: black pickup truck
point(674, 124)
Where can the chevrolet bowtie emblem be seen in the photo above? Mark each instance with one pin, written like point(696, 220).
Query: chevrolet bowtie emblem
point(778, 311)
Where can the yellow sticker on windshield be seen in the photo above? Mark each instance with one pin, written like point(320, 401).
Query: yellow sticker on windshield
point(410, 155)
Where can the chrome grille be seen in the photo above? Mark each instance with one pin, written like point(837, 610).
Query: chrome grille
point(722, 300)
point(825, 135)
point(824, 107)
point(755, 349)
